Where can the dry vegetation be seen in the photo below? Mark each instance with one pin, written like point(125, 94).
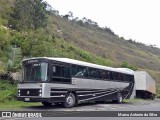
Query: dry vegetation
point(109, 46)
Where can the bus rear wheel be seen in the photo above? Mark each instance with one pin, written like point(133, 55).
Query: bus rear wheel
point(70, 100)
point(47, 104)
point(119, 98)
point(152, 96)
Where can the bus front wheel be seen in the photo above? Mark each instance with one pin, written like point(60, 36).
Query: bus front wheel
point(70, 100)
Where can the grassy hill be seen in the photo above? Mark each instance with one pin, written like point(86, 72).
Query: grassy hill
point(108, 46)
point(67, 38)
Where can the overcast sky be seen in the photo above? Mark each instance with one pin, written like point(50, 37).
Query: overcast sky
point(135, 19)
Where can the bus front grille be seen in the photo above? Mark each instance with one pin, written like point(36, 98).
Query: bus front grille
point(29, 92)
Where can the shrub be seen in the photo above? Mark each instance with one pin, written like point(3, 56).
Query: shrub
point(126, 65)
point(8, 91)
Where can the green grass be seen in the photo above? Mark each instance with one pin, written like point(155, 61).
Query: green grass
point(158, 90)
point(16, 105)
point(132, 100)
point(7, 91)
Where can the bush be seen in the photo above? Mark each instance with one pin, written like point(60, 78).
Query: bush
point(126, 65)
point(158, 90)
point(8, 91)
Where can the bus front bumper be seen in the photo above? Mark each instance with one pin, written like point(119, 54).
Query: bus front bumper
point(40, 99)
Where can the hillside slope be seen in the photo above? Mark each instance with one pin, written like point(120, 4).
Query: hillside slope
point(66, 38)
point(109, 46)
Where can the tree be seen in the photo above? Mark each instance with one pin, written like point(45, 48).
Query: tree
point(70, 15)
point(84, 19)
point(66, 16)
point(76, 19)
point(28, 14)
point(107, 29)
point(4, 38)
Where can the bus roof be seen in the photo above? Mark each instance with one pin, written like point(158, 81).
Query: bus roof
point(77, 62)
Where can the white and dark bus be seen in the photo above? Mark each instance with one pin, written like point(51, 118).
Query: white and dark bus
point(69, 82)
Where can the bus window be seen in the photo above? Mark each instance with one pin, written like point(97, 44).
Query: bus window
point(124, 76)
point(35, 72)
point(92, 73)
point(128, 78)
point(119, 76)
point(74, 70)
point(61, 73)
point(95, 73)
point(66, 72)
point(132, 78)
point(79, 71)
point(114, 76)
point(99, 74)
point(107, 75)
point(57, 71)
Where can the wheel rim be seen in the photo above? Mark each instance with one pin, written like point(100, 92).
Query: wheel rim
point(69, 100)
point(120, 97)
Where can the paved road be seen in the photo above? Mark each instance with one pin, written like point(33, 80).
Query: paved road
point(138, 106)
point(145, 105)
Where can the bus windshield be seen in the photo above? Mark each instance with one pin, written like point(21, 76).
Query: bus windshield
point(35, 72)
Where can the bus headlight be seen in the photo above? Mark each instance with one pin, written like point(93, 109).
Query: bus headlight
point(40, 91)
point(40, 94)
point(18, 93)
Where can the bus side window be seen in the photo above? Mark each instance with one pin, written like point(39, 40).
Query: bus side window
point(79, 71)
point(57, 71)
point(61, 73)
point(92, 72)
point(132, 78)
point(111, 75)
point(124, 77)
point(66, 72)
point(127, 77)
point(98, 74)
point(107, 75)
point(119, 76)
point(95, 73)
point(114, 76)
point(74, 70)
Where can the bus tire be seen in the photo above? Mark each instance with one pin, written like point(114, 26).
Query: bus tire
point(47, 104)
point(152, 96)
point(119, 98)
point(70, 100)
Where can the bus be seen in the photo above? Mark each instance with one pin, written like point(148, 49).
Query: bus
point(69, 82)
